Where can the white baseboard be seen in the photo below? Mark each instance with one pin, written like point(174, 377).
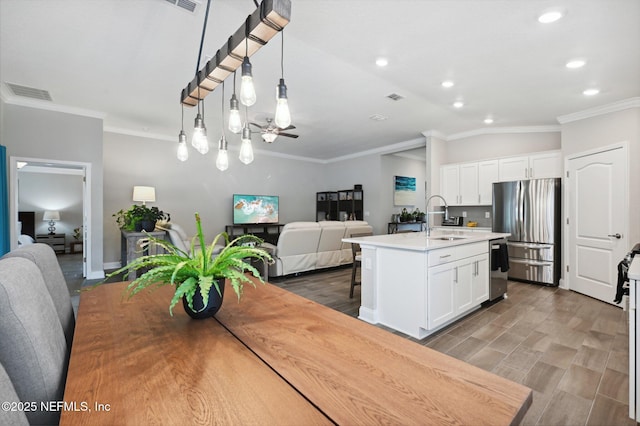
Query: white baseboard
point(112, 265)
point(95, 275)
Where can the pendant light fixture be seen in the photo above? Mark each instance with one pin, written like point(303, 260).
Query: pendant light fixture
point(235, 122)
point(283, 116)
point(222, 160)
point(246, 150)
point(247, 89)
point(183, 152)
point(199, 139)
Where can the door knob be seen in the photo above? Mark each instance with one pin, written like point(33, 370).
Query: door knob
point(618, 236)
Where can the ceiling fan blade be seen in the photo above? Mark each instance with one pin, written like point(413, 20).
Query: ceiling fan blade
point(288, 127)
point(255, 124)
point(288, 135)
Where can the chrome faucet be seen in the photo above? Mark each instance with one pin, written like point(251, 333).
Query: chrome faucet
point(446, 211)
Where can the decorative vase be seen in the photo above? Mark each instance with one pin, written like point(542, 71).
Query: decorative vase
point(213, 305)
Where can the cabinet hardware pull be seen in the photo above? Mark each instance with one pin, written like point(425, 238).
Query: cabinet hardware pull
point(526, 172)
point(455, 280)
point(617, 235)
point(445, 256)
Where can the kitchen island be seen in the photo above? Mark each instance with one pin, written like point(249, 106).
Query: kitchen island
point(418, 284)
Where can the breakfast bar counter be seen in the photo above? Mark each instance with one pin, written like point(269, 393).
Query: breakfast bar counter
point(272, 358)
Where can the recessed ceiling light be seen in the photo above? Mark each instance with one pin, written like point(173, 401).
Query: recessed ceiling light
point(550, 16)
point(591, 92)
point(458, 104)
point(576, 63)
point(382, 62)
point(488, 120)
point(447, 83)
point(378, 117)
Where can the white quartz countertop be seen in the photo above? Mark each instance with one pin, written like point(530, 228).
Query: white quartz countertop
point(418, 241)
point(634, 269)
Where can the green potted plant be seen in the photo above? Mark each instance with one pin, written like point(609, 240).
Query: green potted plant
point(139, 218)
point(405, 216)
point(418, 216)
point(198, 277)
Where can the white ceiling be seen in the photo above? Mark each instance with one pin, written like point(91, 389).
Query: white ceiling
point(129, 60)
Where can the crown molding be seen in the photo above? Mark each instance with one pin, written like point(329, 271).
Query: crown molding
point(389, 149)
point(157, 136)
point(139, 134)
point(503, 130)
point(434, 134)
point(601, 110)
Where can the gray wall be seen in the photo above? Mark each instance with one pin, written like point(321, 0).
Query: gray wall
point(43, 134)
point(183, 188)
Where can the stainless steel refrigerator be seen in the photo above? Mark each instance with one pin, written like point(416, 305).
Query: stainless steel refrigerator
point(530, 211)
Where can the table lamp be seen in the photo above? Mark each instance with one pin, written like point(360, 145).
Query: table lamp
point(51, 216)
point(144, 194)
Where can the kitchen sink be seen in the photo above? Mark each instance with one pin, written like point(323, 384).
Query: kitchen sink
point(447, 238)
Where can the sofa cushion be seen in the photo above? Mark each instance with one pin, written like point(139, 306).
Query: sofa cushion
point(329, 246)
point(300, 225)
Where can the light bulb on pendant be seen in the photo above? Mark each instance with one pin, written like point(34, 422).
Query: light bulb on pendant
point(235, 122)
point(246, 150)
point(247, 89)
point(199, 139)
point(283, 116)
point(183, 152)
point(222, 160)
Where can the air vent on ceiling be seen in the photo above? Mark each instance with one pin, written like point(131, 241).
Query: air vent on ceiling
point(377, 117)
point(395, 97)
point(29, 92)
point(189, 5)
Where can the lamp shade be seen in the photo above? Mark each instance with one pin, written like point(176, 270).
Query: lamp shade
point(50, 215)
point(144, 193)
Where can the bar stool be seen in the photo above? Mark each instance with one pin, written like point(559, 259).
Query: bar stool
point(357, 260)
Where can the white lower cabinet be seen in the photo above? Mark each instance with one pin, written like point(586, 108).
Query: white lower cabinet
point(457, 286)
point(480, 279)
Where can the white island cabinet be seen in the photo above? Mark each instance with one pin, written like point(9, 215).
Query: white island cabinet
point(417, 284)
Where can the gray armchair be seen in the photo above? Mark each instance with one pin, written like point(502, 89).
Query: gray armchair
point(8, 395)
point(34, 349)
point(45, 259)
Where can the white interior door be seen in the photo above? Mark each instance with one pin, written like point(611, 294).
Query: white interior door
point(598, 221)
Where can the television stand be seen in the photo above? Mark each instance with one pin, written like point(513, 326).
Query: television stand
point(269, 232)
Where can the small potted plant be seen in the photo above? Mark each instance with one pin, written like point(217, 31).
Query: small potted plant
point(405, 216)
point(139, 218)
point(418, 216)
point(198, 277)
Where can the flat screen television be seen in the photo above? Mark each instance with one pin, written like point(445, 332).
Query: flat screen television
point(252, 209)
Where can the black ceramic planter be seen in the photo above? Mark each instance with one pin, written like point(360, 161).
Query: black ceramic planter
point(213, 305)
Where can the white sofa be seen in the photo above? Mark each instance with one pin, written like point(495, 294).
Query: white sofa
point(307, 246)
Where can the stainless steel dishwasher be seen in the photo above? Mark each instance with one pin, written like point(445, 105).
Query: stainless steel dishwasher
point(499, 265)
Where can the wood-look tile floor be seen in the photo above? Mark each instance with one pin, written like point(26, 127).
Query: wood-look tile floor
point(570, 349)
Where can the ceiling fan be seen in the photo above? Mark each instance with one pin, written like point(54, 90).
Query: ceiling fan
point(270, 131)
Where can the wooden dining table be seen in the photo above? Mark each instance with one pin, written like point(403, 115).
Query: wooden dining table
point(274, 358)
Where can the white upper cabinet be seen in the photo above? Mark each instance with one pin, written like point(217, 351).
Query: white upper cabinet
point(450, 184)
point(488, 173)
point(471, 184)
point(468, 184)
point(545, 165)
